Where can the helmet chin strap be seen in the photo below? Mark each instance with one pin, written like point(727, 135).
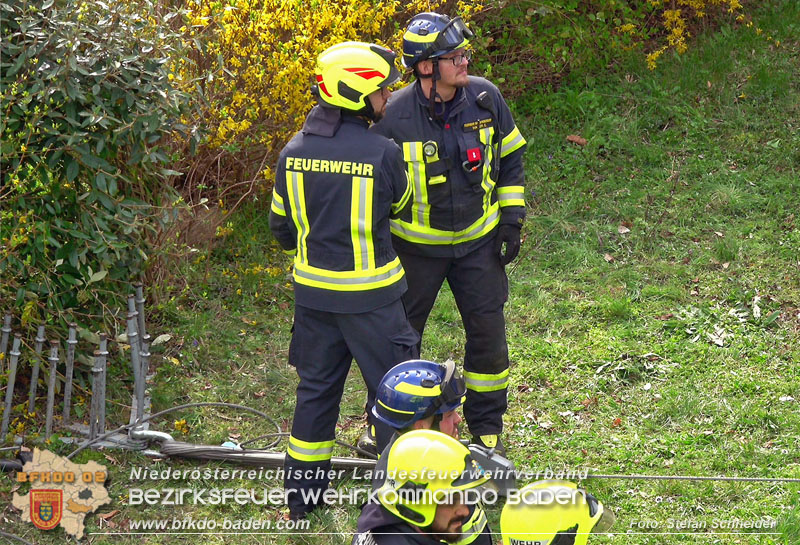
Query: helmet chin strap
point(369, 112)
point(436, 76)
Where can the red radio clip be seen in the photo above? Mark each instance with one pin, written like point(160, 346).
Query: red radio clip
point(474, 155)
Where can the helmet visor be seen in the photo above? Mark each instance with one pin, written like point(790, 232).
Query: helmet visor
point(453, 391)
point(605, 523)
point(453, 386)
point(451, 36)
point(389, 56)
point(472, 476)
point(606, 519)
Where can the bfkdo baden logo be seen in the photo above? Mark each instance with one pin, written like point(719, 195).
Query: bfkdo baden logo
point(46, 508)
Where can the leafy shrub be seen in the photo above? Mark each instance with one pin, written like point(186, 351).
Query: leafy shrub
point(254, 62)
point(86, 102)
point(539, 42)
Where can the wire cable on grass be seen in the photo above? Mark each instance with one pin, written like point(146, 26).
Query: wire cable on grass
point(283, 434)
point(357, 449)
point(12, 536)
point(279, 434)
point(173, 409)
point(695, 478)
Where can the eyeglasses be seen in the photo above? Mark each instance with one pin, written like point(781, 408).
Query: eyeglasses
point(458, 60)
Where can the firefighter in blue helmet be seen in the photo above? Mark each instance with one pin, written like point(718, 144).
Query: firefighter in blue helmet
point(336, 186)
point(463, 153)
point(420, 395)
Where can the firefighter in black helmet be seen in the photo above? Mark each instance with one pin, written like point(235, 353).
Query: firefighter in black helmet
point(463, 155)
point(336, 186)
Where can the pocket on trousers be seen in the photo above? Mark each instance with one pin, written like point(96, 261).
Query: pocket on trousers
point(406, 344)
point(293, 349)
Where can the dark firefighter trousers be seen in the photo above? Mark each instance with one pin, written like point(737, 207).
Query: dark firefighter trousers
point(322, 348)
point(480, 288)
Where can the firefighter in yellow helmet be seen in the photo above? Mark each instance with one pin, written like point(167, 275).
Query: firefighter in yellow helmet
point(429, 482)
point(336, 186)
point(553, 513)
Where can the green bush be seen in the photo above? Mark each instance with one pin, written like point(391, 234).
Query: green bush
point(86, 103)
point(254, 62)
point(538, 43)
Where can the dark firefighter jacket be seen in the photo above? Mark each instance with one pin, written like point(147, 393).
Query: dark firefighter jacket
point(459, 195)
point(336, 185)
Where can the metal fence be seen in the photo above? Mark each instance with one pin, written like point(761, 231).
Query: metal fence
point(58, 360)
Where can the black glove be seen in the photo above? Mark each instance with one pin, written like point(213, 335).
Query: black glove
point(508, 234)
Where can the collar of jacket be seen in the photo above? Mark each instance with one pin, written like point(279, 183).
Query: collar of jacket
point(459, 101)
point(376, 519)
point(324, 121)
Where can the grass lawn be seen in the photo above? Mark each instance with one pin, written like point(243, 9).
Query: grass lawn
point(653, 316)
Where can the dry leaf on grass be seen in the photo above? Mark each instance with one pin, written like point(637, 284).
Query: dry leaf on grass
point(575, 139)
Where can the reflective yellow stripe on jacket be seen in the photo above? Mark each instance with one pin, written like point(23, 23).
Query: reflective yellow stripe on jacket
point(365, 276)
point(361, 223)
point(511, 142)
point(297, 198)
point(407, 195)
point(472, 528)
point(422, 235)
point(512, 195)
point(277, 204)
point(420, 210)
point(349, 280)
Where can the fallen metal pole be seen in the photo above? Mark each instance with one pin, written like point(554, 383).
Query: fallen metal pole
point(51, 389)
point(255, 457)
point(35, 371)
point(12, 377)
point(71, 342)
point(251, 457)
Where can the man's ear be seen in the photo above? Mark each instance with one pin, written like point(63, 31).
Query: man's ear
point(423, 424)
point(425, 67)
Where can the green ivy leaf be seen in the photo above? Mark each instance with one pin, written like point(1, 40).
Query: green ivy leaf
point(72, 168)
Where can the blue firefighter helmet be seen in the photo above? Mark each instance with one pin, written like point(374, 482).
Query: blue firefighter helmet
point(430, 35)
point(417, 389)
